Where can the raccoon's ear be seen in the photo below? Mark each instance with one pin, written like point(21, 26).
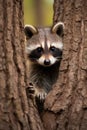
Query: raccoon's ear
point(58, 28)
point(30, 31)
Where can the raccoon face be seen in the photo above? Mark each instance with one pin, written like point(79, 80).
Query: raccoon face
point(44, 45)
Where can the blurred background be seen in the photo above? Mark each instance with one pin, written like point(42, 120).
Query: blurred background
point(38, 12)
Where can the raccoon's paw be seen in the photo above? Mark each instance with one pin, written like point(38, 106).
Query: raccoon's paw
point(30, 90)
point(40, 94)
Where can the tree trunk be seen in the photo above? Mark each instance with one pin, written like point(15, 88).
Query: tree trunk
point(66, 105)
point(16, 112)
point(38, 6)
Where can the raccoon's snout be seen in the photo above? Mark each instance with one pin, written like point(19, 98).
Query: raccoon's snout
point(46, 62)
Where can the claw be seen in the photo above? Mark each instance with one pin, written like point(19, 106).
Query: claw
point(33, 91)
point(30, 90)
point(41, 95)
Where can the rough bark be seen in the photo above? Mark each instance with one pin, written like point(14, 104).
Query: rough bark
point(16, 112)
point(66, 104)
point(65, 107)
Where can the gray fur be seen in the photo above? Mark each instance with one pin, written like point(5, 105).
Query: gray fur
point(44, 77)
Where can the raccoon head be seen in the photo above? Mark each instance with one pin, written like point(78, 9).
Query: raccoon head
point(44, 45)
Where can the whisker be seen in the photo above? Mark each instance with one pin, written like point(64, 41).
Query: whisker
point(59, 58)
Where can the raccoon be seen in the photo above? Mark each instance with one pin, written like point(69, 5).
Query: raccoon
point(44, 48)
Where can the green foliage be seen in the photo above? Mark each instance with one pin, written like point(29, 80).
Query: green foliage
point(29, 12)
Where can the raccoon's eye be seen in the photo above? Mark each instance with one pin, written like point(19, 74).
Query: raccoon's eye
point(52, 48)
point(39, 49)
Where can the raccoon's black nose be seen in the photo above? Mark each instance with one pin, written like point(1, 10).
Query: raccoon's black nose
point(47, 62)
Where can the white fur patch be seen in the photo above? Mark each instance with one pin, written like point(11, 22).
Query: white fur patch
point(57, 25)
point(42, 59)
point(58, 45)
point(52, 60)
point(48, 44)
point(31, 48)
point(34, 30)
point(43, 45)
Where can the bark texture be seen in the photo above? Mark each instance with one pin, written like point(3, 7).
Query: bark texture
point(66, 104)
point(65, 107)
point(16, 112)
